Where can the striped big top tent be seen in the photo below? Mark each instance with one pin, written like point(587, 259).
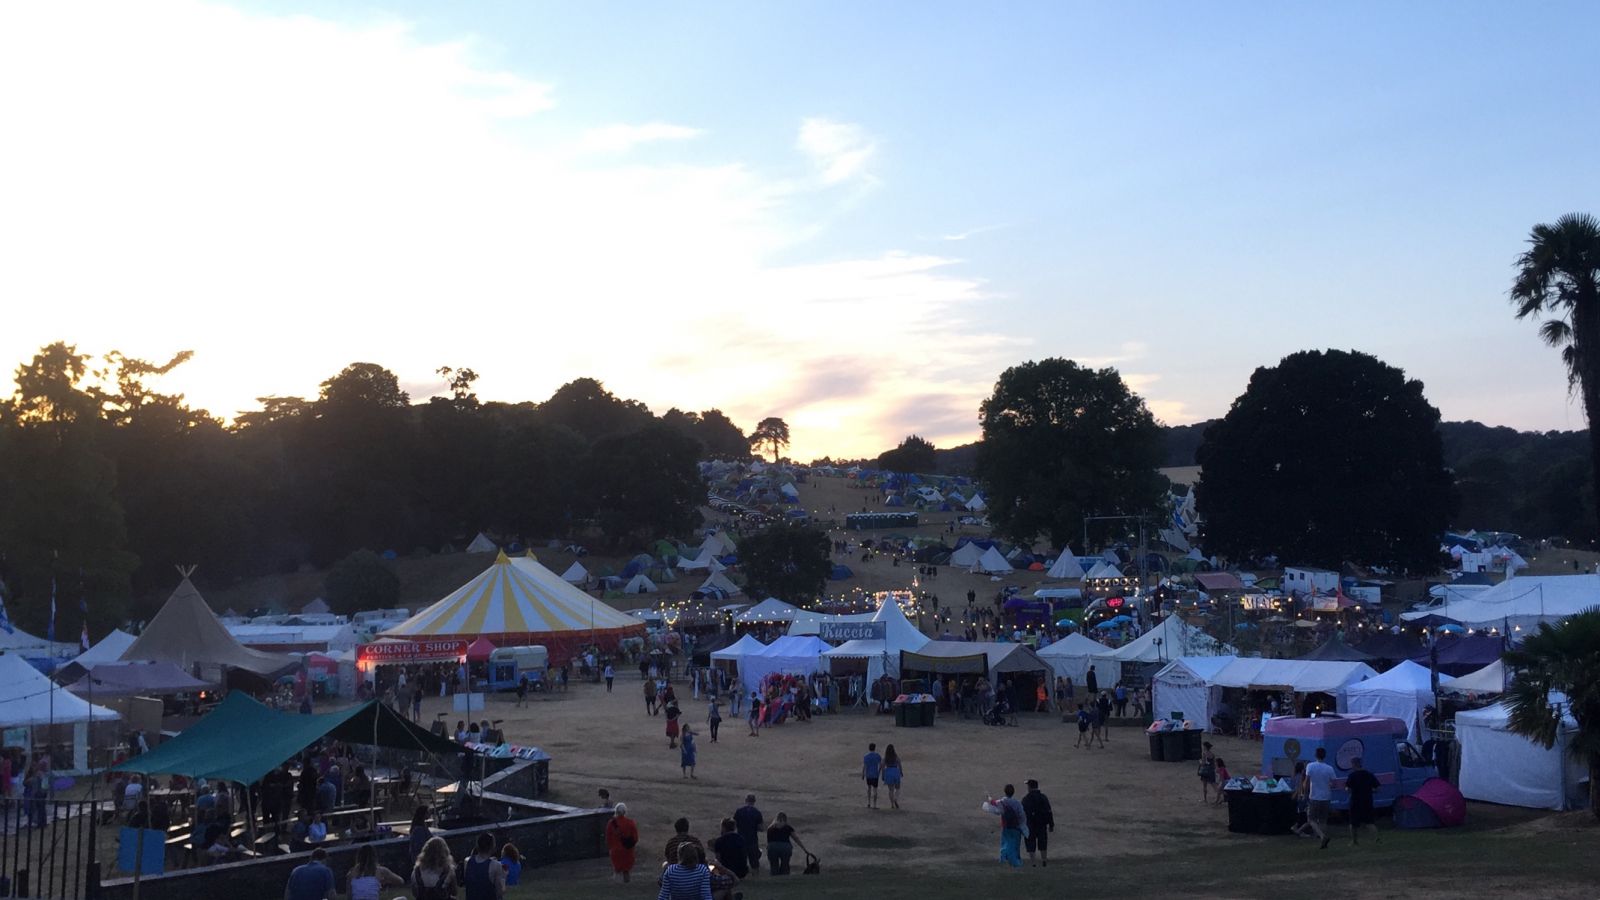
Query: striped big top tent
point(519, 602)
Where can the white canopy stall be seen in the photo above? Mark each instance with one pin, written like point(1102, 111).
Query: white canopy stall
point(882, 654)
point(789, 655)
point(1403, 693)
point(33, 703)
point(1184, 687)
point(1501, 766)
point(1071, 657)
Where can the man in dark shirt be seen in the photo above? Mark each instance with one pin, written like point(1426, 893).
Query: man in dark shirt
point(748, 820)
point(729, 848)
point(1041, 821)
point(681, 836)
point(1361, 784)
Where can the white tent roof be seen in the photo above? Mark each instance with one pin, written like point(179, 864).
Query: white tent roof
point(1178, 638)
point(108, 649)
point(1526, 601)
point(1401, 693)
point(1301, 675)
point(739, 649)
point(966, 555)
point(1184, 686)
point(1490, 679)
point(769, 610)
point(575, 573)
point(977, 504)
point(481, 544)
point(789, 655)
point(1073, 645)
point(898, 634)
point(27, 697)
point(707, 559)
point(719, 582)
point(1501, 766)
point(1104, 569)
point(639, 584)
point(1065, 568)
point(993, 562)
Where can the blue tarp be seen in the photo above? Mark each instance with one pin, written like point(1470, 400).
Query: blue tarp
point(840, 573)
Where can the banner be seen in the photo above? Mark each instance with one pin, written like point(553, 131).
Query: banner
point(385, 652)
point(839, 632)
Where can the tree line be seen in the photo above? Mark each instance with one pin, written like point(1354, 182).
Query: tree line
point(106, 482)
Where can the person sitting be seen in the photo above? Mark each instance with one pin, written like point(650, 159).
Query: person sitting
point(680, 838)
point(685, 879)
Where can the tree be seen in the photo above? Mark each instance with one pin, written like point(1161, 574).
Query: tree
point(645, 484)
point(1562, 658)
point(772, 433)
point(914, 454)
point(364, 385)
point(585, 406)
point(362, 580)
point(1062, 442)
point(790, 562)
point(1559, 275)
point(721, 438)
point(1327, 457)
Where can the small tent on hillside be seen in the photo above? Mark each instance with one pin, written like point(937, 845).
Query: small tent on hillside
point(482, 544)
point(639, 584)
point(977, 504)
point(1070, 657)
point(1403, 693)
point(1104, 569)
point(718, 583)
point(316, 607)
point(1065, 568)
point(966, 555)
point(705, 560)
point(575, 573)
point(882, 656)
point(186, 632)
point(992, 562)
point(1184, 687)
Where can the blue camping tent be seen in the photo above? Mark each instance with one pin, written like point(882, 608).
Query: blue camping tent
point(840, 573)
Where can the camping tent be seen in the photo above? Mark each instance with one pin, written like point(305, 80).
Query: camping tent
point(1297, 675)
point(788, 655)
point(1490, 679)
point(28, 698)
point(707, 559)
point(718, 583)
point(316, 607)
point(1184, 686)
point(966, 556)
point(1500, 766)
point(639, 584)
point(1403, 693)
point(1065, 568)
point(1104, 569)
point(481, 544)
point(1524, 601)
point(769, 610)
point(1070, 657)
point(575, 573)
point(883, 655)
point(992, 562)
point(517, 601)
point(185, 632)
point(977, 504)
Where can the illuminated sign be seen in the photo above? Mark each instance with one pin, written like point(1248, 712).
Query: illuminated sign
point(384, 652)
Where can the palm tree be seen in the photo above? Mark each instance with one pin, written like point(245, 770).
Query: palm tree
point(1559, 275)
point(1562, 658)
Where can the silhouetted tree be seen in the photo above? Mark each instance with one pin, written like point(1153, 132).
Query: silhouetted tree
point(772, 433)
point(790, 562)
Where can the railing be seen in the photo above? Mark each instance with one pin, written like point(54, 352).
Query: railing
point(50, 848)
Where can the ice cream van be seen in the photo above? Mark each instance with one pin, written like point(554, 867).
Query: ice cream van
point(1378, 741)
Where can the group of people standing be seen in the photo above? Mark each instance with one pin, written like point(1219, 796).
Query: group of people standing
point(693, 870)
point(1027, 822)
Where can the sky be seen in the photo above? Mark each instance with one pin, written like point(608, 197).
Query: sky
point(852, 216)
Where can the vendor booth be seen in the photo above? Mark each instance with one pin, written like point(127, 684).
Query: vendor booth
point(1403, 693)
point(1490, 679)
point(728, 658)
point(788, 655)
point(1500, 766)
point(1172, 639)
point(876, 651)
point(1000, 663)
point(1071, 657)
point(38, 715)
point(1378, 741)
point(1183, 689)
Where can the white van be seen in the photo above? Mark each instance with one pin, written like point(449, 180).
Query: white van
point(507, 665)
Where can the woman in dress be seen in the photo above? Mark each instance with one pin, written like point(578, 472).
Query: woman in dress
point(368, 879)
point(672, 724)
point(892, 771)
point(686, 754)
point(622, 835)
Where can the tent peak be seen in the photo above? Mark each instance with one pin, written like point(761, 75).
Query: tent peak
point(501, 559)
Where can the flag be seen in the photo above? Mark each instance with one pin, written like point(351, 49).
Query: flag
point(83, 607)
point(83, 638)
point(51, 634)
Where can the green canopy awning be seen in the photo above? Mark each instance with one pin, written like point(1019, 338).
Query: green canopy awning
point(242, 740)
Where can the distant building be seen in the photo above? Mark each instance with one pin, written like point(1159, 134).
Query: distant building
point(1300, 580)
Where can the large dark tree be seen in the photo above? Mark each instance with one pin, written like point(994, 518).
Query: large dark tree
point(722, 439)
point(915, 454)
point(1327, 457)
point(645, 485)
point(1559, 276)
point(585, 406)
point(362, 580)
point(1062, 442)
point(789, 562)
point(772, 433)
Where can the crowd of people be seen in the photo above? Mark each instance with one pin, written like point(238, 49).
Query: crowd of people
point(693, 869)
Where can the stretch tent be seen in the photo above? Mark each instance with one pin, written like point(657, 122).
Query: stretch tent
point(242, 740)
point(1402, 693)
point(1184, 686)
point(518, 602)
point(1071, 657)
point(186, 632)
point(883, 656)
point(1501, 766)
point(1524, 601)
point(788, 655)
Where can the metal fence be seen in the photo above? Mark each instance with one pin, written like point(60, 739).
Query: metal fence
point(50, 848)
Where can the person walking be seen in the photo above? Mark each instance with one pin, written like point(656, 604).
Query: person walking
point(748, 820)
point(686, 754)
point(729, 850)
point(1083, 728)
point(1103, 707)
point(1120, 699)
point(610, 676)
point(755, 715)
point(871, 769)
point(672, 714)
point(522, 691)
point(416, 703)
point(892, 773)
point(1319, 793)
point(1208, 771)
point(649, 697)
point(686, 879)
point(1362, 785)
point(1040, 821)
point(1013, 819)
point(713, 717)
point(622, 835)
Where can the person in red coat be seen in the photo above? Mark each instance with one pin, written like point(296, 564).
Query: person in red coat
point(622, 836)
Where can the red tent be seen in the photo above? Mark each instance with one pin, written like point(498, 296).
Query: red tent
point(479, 650)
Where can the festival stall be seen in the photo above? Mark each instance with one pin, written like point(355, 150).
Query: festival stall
point(1403, 693)
point(788, 655)
point(1520, 603)
point(1500, 766)
point(1071, 656)
point(1490, 679)
point(996, 661)
point(729, 657)
point(38, 715)
point(1172, 639)
point(872, 647)
point(1315, 685)
point(517, 602)
point(1183, 689)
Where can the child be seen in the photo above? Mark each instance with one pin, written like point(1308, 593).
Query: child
point(1208, 772)
point(1302, 802)
point(511, 861)
point(1083, 728)
point(1222, 778)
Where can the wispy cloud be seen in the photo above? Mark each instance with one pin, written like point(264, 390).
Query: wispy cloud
point(974, 232)
point(622, 138)
point(840, 151)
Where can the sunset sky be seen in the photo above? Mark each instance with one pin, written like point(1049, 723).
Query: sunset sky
point(853, 216)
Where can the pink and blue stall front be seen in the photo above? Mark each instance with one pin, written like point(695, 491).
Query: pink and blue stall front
point(1379, 741)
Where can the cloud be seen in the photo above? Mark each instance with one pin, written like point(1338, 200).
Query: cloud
point(622, 138)
point(171, 183)
point(973, 232)
point(840, 151)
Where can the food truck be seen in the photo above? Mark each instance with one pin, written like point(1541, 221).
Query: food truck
point(508, 665)
point(1379, 741)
